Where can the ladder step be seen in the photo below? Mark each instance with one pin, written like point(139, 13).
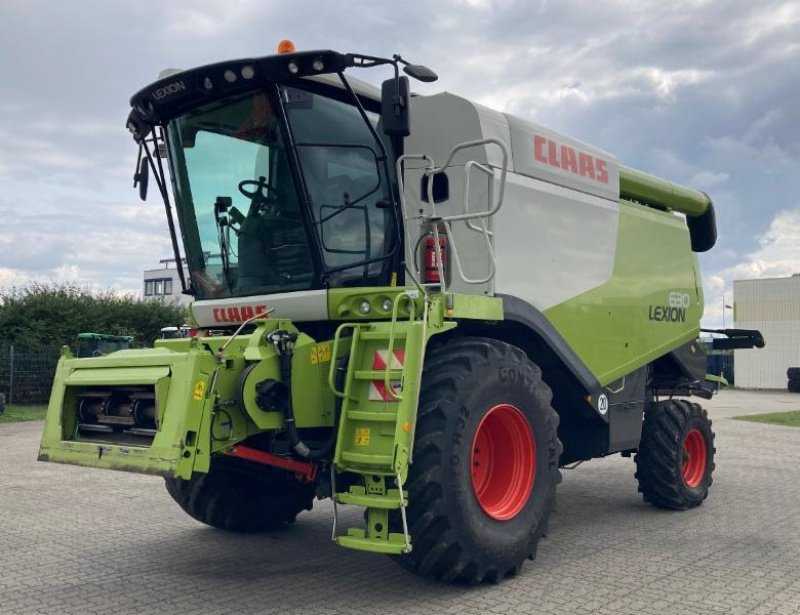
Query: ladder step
point(381, 335)
point(356, 539)
point(377, 374)
point(390, 501)
point(367, 459)
point(378, 417)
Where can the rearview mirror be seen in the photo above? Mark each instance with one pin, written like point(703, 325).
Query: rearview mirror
point(394, 107)
point(420, 73)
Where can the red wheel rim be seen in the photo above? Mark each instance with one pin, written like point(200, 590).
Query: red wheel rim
point(503, 462)
point(694, 458)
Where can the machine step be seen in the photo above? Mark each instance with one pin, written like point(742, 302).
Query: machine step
point(377, 374)
point(376, 417)
point(357, 496)
point(356, 539)
point(381, 335)
point(367, 459)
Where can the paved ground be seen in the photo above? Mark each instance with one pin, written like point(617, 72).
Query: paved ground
point(83, 541)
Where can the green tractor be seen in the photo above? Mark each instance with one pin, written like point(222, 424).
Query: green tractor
point(101, 344)
point(428, 308)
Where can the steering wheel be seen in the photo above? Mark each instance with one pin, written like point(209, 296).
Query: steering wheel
point(261, 189)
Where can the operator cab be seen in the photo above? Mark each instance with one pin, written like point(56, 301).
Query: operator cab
point(283, 175)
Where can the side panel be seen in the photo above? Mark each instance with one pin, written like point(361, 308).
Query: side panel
point(439, 123)
point(552, 243)
point(651, 305)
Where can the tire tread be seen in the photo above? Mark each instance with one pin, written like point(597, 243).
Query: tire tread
point(438, 553)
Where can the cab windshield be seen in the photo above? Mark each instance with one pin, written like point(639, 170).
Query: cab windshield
point(257, 219)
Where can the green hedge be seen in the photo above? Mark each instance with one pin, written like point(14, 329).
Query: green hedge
point(54, 314)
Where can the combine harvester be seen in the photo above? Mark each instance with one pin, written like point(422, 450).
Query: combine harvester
point(430, 307)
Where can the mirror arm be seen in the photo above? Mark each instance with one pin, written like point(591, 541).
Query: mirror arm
point(158, 172)
point(398, 103)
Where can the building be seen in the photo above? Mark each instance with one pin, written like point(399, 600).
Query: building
point(772, 306)
point(163, 283)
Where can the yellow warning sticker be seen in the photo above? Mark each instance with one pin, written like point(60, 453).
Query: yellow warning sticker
point(199, 390)
point(362, 436)
point(394, 279)
point(324, 353)
point(321, 354)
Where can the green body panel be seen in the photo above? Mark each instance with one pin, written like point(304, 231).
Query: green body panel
point(196, 391)
point(182, 442)
point(110, 376)
point(343, 304)
point(611, 327)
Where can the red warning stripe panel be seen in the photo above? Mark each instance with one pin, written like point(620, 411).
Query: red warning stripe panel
point(379, 392)
point(380, 359)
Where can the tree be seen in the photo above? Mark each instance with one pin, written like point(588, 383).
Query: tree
point(54, 314)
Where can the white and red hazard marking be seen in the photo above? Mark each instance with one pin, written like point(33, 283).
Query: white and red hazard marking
point(380, 361)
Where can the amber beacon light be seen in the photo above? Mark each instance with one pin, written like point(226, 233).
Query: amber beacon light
point(286, 46)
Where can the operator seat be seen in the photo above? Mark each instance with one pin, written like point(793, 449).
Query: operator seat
point(273, 250)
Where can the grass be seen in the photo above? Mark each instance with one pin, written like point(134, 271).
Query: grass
point(789, 419)
point(15, 414)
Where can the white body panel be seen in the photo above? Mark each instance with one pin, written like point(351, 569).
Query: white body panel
point(773, 307)
point(556, 233)
point(553, 243)
point(299, 306)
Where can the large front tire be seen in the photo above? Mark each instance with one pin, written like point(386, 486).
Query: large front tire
point(239, 496)
point(482, 484)
point(676, 455)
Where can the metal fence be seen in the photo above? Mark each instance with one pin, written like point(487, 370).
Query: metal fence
point(26, 373)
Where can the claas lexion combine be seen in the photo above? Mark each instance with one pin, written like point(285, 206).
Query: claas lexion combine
point(428, 308)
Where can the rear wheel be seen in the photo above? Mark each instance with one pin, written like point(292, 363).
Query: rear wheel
point(676, 455)
point(239, 496)
point(485, 469)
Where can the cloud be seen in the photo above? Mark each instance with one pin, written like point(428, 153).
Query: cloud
point(778, 256)
point(703, 93)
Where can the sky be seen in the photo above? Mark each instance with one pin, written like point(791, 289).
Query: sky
point(704, 93)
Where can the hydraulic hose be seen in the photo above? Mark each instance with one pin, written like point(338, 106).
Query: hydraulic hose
point(284, 344)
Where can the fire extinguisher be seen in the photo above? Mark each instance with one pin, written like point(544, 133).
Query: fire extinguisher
point(430, 258)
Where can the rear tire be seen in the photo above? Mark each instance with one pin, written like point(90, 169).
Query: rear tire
point(793, 373)
point(676, 455)
point(239, 496)
point(482, 402)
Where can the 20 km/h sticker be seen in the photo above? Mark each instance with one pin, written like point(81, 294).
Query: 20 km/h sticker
point(321, 354)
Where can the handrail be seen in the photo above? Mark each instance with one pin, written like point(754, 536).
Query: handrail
point(467, 175)
point(335, 354)
point(457, 259)
point(387, 379)
point(503, 172)
point(431, 170)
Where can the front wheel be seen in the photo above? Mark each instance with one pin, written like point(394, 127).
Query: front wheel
point(482, 484)
point(239, 496)
point(676, 455)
